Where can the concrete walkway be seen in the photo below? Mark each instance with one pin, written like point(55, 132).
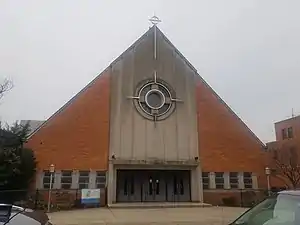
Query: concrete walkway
point(139, 205)
point(161, 216)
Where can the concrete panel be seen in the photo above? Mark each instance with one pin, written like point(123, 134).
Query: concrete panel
point(92, 179)
point(75, 179)
point(131, 135)
point(57, 180)
point(115, 113)
point(196, 185)
point(254, 181)
point(226, 176)
point(241, 180)
point(212, 180)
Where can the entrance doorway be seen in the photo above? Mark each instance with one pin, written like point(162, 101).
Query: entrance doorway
point(153, 188)
point(179, 186)
point(153, 185)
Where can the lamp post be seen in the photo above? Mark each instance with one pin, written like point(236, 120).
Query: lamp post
point(268, 173)
point(51, 170)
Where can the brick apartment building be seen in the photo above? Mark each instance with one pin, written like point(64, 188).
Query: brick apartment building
point(149, 128)
point(286, 146)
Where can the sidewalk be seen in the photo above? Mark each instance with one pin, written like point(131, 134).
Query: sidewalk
point(162, 216)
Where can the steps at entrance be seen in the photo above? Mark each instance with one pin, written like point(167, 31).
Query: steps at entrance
point(158, 205)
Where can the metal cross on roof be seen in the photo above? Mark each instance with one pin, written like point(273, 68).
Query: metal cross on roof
point(154, 20)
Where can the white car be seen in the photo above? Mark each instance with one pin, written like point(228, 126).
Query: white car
point(282, 209)
point(15, 215)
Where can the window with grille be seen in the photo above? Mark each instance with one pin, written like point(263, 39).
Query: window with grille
point(66, 179)
point(219, 178)
point(234, 180)
point(46, 179)
point(248, 180)
point(84, 179)
point(205, 180)
point(100, 179)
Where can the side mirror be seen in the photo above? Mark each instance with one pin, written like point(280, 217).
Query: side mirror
point(5, 212)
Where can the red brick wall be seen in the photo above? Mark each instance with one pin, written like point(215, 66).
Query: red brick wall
point(77, 136)
point(292, 122)
point(225, 144)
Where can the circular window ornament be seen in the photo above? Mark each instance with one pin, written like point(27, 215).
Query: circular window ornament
point(154, 99)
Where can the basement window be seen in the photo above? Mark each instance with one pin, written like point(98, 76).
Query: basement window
point(248, 180)
point(219, 178)
point(66, 179)
point(234, 180)
point(84, 179)
point(100, 179)
point(46, 179)
point(205, 180)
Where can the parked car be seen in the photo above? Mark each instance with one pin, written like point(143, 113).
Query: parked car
point(282, 209)
point(16, 215)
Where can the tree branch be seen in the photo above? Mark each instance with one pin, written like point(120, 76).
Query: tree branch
point(288, 166)
point(5, 86)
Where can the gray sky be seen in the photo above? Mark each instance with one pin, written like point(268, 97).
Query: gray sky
point(248, 51)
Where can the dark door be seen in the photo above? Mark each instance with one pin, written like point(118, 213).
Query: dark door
point(179, 186)
point(154, 187)
point(128, 186)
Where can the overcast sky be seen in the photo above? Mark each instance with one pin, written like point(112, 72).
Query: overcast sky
point(248, 51)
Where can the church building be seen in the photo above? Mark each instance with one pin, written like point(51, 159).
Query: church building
point(149, 128)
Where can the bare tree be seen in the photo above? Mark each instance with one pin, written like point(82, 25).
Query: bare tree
point(287, 166)
point(5, 86)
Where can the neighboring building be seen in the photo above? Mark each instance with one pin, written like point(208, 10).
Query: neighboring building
point(288, 129)
point(149, 128)
point(286, 146)
point(33, 124)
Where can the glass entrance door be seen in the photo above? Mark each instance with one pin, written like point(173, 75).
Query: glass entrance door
point(128, 187)
point(178, 186)
point(154, 188)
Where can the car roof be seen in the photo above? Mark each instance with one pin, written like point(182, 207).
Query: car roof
point(290, 192)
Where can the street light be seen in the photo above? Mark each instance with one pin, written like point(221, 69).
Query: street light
point(268, 173)
point(51, 170)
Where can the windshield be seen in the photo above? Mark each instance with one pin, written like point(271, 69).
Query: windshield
point(281, 210)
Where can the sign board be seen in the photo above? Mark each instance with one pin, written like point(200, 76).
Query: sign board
point(90, 196)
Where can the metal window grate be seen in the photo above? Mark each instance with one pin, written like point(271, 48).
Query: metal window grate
point(219, 179)
point(100, 179)
point(46, 179)
point(66, 179)
point(234, 180)
point(84, 179)
point(205, 180)
point(248, 180)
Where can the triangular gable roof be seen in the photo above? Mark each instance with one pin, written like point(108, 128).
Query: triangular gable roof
point(151, 29)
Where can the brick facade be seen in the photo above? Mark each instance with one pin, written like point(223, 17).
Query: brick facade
point(225, 143)
point(77, 136)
